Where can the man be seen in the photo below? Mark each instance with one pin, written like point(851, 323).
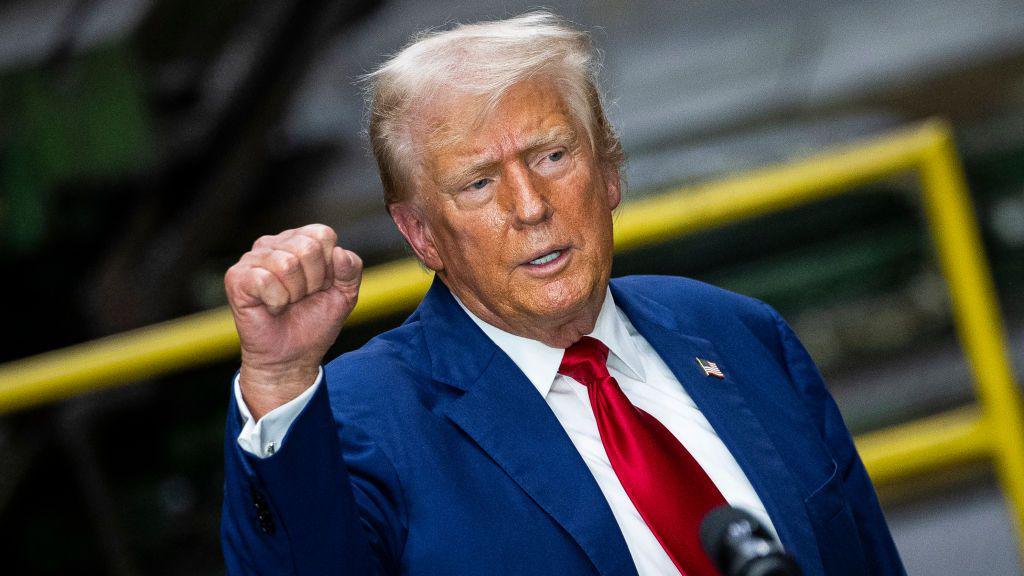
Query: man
point(530, 417)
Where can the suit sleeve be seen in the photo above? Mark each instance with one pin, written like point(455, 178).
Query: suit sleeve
point(322, 504)
point(876, 540)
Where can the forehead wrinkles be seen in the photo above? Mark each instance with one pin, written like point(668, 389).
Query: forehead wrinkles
point(521, 120)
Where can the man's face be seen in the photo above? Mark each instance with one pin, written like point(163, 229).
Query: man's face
point(515, 212)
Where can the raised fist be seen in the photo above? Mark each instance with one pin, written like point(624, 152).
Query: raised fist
point(290, 296)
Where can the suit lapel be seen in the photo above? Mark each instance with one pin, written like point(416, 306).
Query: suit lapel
point(724, 404)
point(506, 417)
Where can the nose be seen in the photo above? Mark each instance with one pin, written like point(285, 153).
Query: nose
point(528, 202)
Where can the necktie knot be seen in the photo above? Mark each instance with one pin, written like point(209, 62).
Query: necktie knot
point(585, 361)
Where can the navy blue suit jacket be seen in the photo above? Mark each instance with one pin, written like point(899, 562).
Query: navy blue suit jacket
point(427, 451)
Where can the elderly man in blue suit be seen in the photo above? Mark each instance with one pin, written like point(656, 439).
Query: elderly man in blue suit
point(531, 416)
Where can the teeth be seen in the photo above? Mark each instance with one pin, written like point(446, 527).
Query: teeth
point(545, 259)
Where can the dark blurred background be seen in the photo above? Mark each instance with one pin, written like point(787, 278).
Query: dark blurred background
point(144, 144)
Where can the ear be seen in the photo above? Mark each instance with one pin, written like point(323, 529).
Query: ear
point(415, 228)
point(613, 186)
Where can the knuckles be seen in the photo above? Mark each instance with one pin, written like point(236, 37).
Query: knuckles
point(284, 262)
point(307, 247)
point(316, 233)
point(263, 242)
point(322, 233)
point(260, 278)
point(233, 277)
point(282, 256)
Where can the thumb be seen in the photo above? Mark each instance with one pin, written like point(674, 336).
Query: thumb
point(348, 268)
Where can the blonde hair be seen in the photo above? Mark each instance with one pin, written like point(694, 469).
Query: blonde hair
point(484, 59)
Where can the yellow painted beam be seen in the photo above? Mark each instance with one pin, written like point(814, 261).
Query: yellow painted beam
point(961, 256)
point(926, 445)
point(760, 192)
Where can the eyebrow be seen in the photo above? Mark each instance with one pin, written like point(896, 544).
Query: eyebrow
point(558, 135)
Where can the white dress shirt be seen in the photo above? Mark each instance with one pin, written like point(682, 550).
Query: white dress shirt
point(644, 378)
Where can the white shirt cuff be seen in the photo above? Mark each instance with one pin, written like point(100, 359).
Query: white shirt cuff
point(263, 437)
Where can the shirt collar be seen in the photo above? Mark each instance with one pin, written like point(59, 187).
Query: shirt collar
point(540, 362)
point(615, 331)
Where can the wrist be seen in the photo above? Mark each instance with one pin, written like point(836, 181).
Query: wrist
point(265, 389)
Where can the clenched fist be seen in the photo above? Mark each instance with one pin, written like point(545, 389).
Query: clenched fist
point(290, 296)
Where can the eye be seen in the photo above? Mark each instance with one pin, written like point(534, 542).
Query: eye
point(553, 163)
point(479, 184)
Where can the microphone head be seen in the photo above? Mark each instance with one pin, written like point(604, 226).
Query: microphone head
point(716, 526)
point(739, 544)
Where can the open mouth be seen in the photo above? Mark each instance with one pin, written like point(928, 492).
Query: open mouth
point(549, 257)
point(550, 262)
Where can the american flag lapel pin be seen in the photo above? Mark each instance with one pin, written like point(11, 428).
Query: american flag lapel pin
point(710, 368)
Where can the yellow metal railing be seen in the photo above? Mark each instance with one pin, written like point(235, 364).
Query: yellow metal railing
point(991, 430)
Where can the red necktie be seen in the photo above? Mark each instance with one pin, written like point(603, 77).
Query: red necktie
point(668, 487)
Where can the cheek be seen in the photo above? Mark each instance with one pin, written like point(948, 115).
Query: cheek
point(587, 214)
point(489, 224)
point(582, 197)
point(475, 237)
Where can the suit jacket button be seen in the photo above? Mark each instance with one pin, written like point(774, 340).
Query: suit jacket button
point(259, 501)
point(266, 522)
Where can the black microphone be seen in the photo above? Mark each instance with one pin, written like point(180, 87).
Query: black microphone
point(740, 546)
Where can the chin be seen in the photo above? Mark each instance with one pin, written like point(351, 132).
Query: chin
point(562, 298)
